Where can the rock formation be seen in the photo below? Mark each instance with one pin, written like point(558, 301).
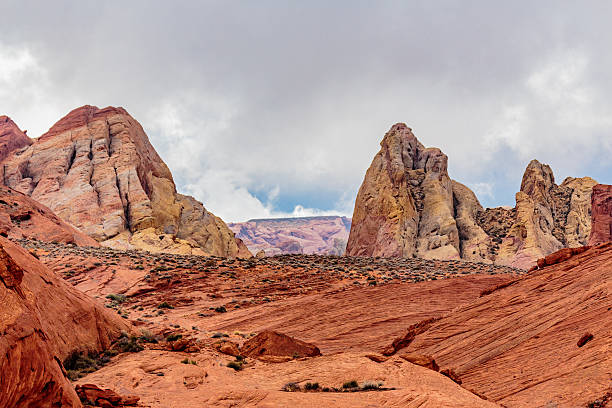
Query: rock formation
point(601, 200)
point(305, 235)
point(22, 217)
point(408, 206)
point(11, 137)
point(96, 170)
point(492, 342)
point(42, 320)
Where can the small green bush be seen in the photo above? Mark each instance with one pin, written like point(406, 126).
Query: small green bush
point(174, 337)
point(292, 387)
point(350, 384)
point(165, 305)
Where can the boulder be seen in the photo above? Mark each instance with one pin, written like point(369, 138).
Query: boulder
point(274, 344)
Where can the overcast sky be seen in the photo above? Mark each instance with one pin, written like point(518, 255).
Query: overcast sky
point(268, 108)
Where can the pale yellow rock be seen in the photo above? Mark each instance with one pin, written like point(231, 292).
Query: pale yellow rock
point(97, 170)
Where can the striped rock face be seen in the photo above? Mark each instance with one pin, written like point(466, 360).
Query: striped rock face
point(97, 170)
point(601, 231)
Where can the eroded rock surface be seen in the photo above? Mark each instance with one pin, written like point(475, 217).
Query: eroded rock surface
point(42, 320)
point(22, 217)
point(96, 170)
point(11, 137)
point(519, 345)
point(408, 206)
point(602, 214)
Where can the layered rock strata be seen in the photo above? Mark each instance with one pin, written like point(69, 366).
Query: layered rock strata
point(97, 170)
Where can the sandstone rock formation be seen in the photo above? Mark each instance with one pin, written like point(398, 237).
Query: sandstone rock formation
point(22, 217)
point(325, 235)
point(43, 320)
point(408, 206)
point(11, 137)
point(601, 200)
point(96, 170)
point(273, 344)
point(517, 345)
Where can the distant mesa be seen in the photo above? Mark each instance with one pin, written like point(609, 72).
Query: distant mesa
point(408, 206)
point(323, 235)
point(96, 169)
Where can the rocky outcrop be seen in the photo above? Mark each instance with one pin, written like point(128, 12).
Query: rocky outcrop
point(405, 205)
point(42, 320)
point(326, 235)
point(601, 200)
point(548, 216)
point(22, 217)
point(97, 170)
point(273, 344)
point(491, 341)
point(408, 206)
point(11, 137)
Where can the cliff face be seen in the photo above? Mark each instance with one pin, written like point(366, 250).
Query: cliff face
point(408, 206)
point(405, 204)
point(97, 170)
point(42, 320)
point(601, 231)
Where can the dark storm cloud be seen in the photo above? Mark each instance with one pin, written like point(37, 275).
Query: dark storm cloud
point(262, 106)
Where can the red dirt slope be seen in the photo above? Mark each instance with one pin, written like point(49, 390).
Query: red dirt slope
point(519, 345)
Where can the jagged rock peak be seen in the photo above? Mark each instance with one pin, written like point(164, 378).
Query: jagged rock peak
point(96, 169)
point(408, 206)
point(11, 137)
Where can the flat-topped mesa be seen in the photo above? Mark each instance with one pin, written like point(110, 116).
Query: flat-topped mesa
point(408, 206)
point(97, 170)
point(601, 230)
point(11, 137)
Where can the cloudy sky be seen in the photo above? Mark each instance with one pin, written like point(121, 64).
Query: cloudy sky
point(269, 108)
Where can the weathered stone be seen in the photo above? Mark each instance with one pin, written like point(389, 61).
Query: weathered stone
point(602, 214)
point(97, 170)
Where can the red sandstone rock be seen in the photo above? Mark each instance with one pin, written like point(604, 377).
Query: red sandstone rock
point(228, 347)
point(42, 320)
point(92, 394)
point(601, 200)
point(517, 345)
point(22, 217)
point(423, 361)
point(11, 137)
point(97, 170)
point(269, 343)
point(450, 373)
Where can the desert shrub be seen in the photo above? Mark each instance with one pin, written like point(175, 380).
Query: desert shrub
point(367, 386)
point(236, 365)
point(165, 305)
point(311, 386)
point(350, 384)
point(174, 337)
point(148, 337)
point(128, 344)
point(188, 361)
point(292, 387)
point(220, 309)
